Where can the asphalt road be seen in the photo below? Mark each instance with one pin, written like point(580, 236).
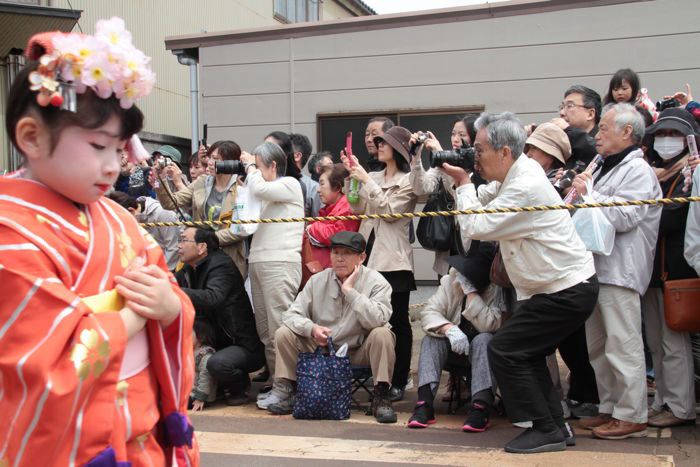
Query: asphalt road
point(246, 436)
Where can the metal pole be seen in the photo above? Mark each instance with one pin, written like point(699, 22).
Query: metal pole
point(194, 97)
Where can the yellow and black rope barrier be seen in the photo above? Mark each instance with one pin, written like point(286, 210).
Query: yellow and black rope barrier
point(360, 217)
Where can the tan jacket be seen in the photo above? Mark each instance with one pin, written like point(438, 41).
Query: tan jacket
point(392, 250)
point(193, 198)
point(350, 317)
point(484, 311)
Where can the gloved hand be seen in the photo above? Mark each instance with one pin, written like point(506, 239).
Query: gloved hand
point(458, 340)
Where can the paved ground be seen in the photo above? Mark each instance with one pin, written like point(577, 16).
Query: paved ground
point(245, 436)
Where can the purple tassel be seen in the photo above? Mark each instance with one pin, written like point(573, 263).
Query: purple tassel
point(107, 458)
point(178, 430)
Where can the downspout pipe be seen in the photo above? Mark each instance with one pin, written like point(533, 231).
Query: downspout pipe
point(186, 60)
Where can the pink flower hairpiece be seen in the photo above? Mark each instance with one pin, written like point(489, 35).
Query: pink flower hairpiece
point(108, 63)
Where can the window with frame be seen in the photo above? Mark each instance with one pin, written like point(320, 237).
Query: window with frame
point(296, 11)
point(332, 128)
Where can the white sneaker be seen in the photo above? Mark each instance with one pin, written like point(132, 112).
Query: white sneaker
point(264, 395)
point(523, 424)
point(273, 398)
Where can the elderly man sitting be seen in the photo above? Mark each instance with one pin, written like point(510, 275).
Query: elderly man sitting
point(350, 303)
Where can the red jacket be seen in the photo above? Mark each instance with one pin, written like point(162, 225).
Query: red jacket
point(323, 231)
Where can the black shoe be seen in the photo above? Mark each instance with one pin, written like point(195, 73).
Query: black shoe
point(395, 394)
point(381, 405)
point(533, 441)
point(423, 415)
point(569, 434)
point(477, 419)
point(237, 399)
point(262, 376)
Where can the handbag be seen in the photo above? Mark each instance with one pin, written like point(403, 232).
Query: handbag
point(309, 264)
point(498, 274)
point(437, 233)
point(681, 296)
point(324, 385)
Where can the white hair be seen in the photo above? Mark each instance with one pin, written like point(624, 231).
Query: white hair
point(504, 129)
point(626, 114)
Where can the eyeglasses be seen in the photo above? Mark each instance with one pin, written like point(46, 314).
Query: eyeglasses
point(570, 105)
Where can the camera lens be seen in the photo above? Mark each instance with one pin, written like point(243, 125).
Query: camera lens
point(462, 157)
point(229, 167)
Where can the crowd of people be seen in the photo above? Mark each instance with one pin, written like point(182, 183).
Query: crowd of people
point(212, 306)
point(556, 295)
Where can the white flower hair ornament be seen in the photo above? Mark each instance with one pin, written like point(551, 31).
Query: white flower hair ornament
point(108, 63)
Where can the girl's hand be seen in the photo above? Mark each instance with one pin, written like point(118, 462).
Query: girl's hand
point(149, 293)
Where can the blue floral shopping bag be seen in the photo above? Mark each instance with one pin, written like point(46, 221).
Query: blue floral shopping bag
point(324, 385)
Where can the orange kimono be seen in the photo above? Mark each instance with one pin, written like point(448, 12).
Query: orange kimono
point(73, 390)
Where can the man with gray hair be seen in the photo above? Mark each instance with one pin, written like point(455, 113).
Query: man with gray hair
point(549, 267)
point(614, 331)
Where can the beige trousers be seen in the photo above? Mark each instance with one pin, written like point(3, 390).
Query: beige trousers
point(673, 359)
point(275, 286)
point(614, 335)
point(377, 351)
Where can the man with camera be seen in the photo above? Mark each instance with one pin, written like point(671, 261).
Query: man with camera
point(350, 303)
point(614, 331)
point(553, 275)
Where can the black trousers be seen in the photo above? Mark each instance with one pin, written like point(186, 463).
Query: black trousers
point(518, 351)
point(574, 352)
point(401, 326)
point(230, 366)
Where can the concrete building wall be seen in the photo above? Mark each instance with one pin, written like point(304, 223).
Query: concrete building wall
point(520, 63)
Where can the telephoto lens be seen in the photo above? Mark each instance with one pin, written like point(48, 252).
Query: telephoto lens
point(229, 167)
point(462, 157)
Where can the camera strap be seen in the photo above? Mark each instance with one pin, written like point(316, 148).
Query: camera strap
point(164, 184)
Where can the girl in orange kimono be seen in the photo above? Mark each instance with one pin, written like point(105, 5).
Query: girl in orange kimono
point(96, 362)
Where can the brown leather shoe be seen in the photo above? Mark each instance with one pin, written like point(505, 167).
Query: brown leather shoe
point(619, 429)
point(665, 418)
point(593, 422)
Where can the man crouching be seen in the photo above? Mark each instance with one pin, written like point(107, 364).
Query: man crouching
point(350, 303)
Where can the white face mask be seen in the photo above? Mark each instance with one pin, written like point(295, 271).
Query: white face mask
point(669, 147)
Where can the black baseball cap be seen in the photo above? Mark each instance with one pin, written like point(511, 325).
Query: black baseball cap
point(351, 240)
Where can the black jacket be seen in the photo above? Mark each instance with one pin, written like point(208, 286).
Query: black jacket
point(215, 287)
point(582, 145)
point(672, 234)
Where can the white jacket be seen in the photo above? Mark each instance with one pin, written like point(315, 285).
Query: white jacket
point(483, 312)
point(280, 198)
point(636, 227)
point(692, 228)
point(542, 252)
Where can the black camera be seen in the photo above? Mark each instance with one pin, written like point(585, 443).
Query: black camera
point(666, 104)
point(462, 157)
point(229, 167)
point(567, 177)
point(419, 140)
